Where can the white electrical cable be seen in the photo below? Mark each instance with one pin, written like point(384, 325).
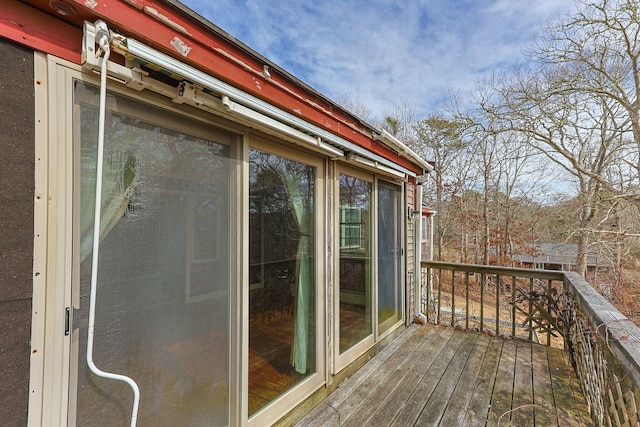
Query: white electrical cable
point(418, 255)
point(104, 45)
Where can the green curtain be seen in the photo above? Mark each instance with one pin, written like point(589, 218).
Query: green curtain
point(118, 187)
point(300, 203)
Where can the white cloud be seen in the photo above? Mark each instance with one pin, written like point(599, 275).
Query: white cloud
point(383, 51)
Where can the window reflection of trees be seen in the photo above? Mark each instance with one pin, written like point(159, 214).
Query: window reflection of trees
point(165, 225)
point(282, 270)
point(275, 231)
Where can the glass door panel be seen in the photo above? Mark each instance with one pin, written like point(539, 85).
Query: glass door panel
point(163, 304)
point(282, 289)
point(389, 256)
point(355, 261)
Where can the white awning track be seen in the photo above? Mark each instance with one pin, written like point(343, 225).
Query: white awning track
point(201, 90)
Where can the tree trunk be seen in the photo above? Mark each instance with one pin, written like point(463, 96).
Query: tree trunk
point(485, 219)
point(583, 239)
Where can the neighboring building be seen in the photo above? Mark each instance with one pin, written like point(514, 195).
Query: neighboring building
point(555, 256)
point(426, 233)
point(253, 236)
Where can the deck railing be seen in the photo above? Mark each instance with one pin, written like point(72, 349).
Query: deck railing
point(554, 308)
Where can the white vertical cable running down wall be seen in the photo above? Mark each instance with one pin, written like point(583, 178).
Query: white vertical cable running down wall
point(103, 37)
point(418, 265)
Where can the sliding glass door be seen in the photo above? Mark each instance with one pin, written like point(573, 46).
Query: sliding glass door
point(369, 269)
point(282, 275)
point(355, 247)
point(389, 255)
point(208, 336)
point(166, 266)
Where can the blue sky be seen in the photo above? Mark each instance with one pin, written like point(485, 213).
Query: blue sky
point(382, 52)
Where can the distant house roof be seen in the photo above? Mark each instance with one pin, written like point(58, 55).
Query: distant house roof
point(556, 253)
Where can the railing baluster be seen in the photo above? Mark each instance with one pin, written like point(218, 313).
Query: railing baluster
point(530, 309)
point(513, 306)
point(497, 304)
point(440, 277)
point(522, 303)
point(482, 277)
point(466, 308)
point(425, 307)
point(549, 286)
point(453, 297)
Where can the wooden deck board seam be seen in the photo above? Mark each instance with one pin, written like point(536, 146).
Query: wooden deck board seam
point(457, 408)
point(537, 395)
point(344, 390)
point(502, 392)
point(480, 399)
point(387, 411)
point(443, 376)
point(522, 404)
point(453, 372)
point(386, 387)
point(369, 386)
point(425, 389)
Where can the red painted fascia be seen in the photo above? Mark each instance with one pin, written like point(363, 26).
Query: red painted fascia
point(30, 27)
point(157, 23)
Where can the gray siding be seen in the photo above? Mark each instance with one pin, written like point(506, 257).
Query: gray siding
point(410, 253)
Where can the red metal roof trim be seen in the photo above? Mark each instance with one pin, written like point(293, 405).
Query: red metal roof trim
point(37, 30)
point(174, 32)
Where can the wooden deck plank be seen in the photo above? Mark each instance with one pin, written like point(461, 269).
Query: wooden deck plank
point(460, 403)
point(396, 387)
point(416, 400)
point(439, 400)
point(580, 408)
point(442, 376)
point(399, 359)
point(326, 411)
point(503, 386)
point(480, 400)
point(545, 407)
point(522, 413)
point(566, 390)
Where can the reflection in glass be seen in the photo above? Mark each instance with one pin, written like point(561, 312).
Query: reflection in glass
point(355, 260)
point(282, 315)
point(389, 256)
point(162, 312)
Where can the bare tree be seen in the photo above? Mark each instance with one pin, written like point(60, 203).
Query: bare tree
point(400, 121)
point(578, 131)
point(441, 140)
point(581, 106)
point(597, 52)
point(356, 107)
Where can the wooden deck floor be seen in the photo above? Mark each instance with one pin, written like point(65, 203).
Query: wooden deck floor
point(433, 375)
